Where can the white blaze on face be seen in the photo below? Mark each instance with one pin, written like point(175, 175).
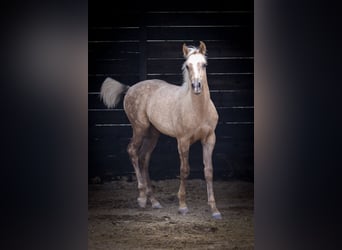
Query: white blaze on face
point(195, 64)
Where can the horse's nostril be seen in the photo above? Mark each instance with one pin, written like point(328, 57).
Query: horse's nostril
point(196, 84)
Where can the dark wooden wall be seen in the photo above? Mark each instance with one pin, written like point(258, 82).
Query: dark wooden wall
point(132, 44)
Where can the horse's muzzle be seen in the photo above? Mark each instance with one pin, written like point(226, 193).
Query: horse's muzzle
point(197, 87)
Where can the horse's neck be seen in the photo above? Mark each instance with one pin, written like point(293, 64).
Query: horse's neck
point(198, 103)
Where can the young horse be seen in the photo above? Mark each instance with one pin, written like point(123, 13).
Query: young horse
point(185, 112)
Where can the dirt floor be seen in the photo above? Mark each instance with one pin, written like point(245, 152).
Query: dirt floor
point(116, 222)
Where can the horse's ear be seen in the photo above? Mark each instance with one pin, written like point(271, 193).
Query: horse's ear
point(202, 48)
point(185, 50)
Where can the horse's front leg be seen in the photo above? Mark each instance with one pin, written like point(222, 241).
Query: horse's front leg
point(208, 147)
point(183, 150)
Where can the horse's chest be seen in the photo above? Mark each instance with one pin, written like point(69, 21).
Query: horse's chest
point(197, 128)
point(200, 133)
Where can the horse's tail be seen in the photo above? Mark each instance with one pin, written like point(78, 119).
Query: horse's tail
point(112, 92)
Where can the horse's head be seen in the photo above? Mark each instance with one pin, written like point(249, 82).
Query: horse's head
point(194, 67)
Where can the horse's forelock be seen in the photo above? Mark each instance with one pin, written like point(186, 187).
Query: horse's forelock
point(195, 52)
point(192, 50)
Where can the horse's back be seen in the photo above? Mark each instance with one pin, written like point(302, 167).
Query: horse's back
point(144, 88)
point(137, 97)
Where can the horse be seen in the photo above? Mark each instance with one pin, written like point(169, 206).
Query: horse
point(185, 112)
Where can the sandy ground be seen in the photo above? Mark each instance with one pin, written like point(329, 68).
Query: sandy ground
point(116, 222)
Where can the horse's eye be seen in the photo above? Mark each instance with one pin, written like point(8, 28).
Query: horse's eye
point(187, 67)
point(204, 65)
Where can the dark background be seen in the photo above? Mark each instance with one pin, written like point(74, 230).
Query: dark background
point(297, 95)
point(131, 45)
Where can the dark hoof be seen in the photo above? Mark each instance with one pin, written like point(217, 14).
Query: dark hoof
point(183, 210)
point(157, 205)
point(217, 216)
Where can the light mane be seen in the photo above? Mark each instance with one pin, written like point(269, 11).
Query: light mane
point(192, 50)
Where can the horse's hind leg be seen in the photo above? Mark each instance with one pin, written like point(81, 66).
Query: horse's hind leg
point(133, 151)
point(146, 150)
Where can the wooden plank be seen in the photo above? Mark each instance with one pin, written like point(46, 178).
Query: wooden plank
point(106, 117)
point(165, 49)
point(234, 130)
point(235, 170)
point(103, 10)
point(228, 173)
point(233, 98)
point(229, 155)
point(105, 50)
point(118, 116)
point(162, 164)
point(216, 81)
point(214, 5)
point(232, 147)
point(166, 161)
point(224, 65)
point(102, 163)
point(102, 16)
point(169, 143)
point(230, 82)
point(162, 154)
point(129, 58)
point(199, 18)
point(231, 48)
point(220, 98)
point(239, 131)
point(113, 34)
point(115, 66)
point(238, 114)
point(115, 145)
point(130, 18)
point(112, 143)
point(229, 34)
point(176, 79)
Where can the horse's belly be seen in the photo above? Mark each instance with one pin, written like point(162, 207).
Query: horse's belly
point(163, 123)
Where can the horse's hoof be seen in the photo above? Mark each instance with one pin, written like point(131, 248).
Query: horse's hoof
point(183, 210)
point(157, 205)
point(142, 202)
point(217, 216)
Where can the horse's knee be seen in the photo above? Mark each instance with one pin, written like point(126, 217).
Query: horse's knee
point(208, 173)
point(184, 172)
point(132, 150)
